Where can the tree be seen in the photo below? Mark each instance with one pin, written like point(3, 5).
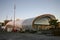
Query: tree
point(53, 23)
point(55, 30)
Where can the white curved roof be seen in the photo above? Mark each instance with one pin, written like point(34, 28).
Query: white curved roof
point(31, 20)
point(28, 21)
point(18, 23)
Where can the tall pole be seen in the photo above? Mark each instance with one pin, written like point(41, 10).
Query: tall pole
point(14, 14)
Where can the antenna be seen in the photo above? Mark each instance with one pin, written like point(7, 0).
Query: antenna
point(14, 14)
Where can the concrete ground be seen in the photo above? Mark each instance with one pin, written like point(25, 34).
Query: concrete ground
point(26, 36)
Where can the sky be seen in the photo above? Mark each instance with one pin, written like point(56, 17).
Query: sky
point(28, 8)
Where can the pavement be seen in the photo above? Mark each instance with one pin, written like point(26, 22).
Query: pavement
point(26, 36)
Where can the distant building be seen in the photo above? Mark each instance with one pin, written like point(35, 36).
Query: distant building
point(0, 23)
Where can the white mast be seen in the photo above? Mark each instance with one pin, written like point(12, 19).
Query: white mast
point(14, 14)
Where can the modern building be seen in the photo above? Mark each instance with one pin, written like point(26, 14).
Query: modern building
point(37, 23)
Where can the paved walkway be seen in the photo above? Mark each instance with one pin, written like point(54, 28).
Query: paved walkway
point(26, 36)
